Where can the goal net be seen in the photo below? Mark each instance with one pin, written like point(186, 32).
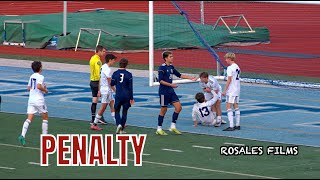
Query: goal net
point(200, 33)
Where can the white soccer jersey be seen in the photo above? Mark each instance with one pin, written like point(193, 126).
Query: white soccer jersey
point(202, 111)
point(213, 84)
point(105, 73)
point(36, 96)
point(234, 87)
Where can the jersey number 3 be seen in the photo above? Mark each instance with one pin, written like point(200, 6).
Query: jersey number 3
point(121, 77)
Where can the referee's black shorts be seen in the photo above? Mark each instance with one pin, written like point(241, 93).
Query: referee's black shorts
point(94, 85)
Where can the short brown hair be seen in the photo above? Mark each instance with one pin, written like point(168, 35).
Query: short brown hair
point(165, 54)
point(203, 75)
point(199, 97)
point(109, 57)
point(99, 48)
point(123, 63)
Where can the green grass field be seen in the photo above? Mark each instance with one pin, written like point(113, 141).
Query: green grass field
point(189, 162)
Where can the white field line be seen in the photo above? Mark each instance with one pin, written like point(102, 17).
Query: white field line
point(173, 165)
point(202, 147)
point(9, 168)
point(234, 144)
point(173, 150)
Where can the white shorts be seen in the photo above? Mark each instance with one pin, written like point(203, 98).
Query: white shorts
point(232, 99)
point(209, 96)
point(107, 98)
point(32, 109)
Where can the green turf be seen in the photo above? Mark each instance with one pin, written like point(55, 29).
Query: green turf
point(191, 163)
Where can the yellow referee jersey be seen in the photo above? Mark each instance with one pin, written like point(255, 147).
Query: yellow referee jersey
point(95, 65)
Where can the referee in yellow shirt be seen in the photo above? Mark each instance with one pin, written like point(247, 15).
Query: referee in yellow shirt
point(95, 66)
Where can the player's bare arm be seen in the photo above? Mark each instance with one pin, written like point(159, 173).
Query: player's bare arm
point(41, 88)
point(227, 85)
point(168, 84)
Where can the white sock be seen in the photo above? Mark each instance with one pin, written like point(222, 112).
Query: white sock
point(173, 125)
point(237, 112)
point(159, 128)
point(98, 117)
point(218, 119)
point(214, 114)
point(25, 127)
point(44, 126)
point(113, 114)
point(230, 117)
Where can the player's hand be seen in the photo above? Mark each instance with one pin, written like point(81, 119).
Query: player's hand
point(223, 93)
point(208, 90)
point(131, 102)
point(174, 85)
point(99, 94)
point(194, 78)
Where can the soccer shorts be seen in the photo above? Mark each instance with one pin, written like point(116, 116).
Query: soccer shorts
point(107, 98)
point(166, 99)
point(94, 85)
point(232, 99)
point(32, 109)
point(209, 96)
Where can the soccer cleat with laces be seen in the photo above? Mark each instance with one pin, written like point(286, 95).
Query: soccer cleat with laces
point(161, 132)
point(175, 130)
point(22, 140)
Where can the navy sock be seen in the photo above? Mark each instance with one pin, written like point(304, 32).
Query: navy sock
point(93, 111)
point(124, 117)
point(160, 120)
point(175, 117)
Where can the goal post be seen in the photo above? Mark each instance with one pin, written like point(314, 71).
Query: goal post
point(180, 52)
point(91, 31)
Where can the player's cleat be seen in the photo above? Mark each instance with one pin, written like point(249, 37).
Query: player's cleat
point(161, 132)
point(217, 124)
point(223, 122)
point(175, 130)
point(102, 121)
point(237, 127)
point(122, 132)
point(22, 140)
point(119, 128)
point(229, 129)
point(96, 128)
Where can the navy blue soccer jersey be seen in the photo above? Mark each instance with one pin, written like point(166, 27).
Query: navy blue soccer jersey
point(122, 79)
point(165, 73)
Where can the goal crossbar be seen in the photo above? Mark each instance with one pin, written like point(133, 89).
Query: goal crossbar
point(89, 30)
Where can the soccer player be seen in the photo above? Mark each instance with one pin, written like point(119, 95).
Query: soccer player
point(105, 89)
point(209, 83)
point(202, 111)
point(232, 91)
point(95, 66)
point(122, 80)
point(167, 94)
point(36, 102)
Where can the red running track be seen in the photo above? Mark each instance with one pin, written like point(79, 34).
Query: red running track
point(293, 29)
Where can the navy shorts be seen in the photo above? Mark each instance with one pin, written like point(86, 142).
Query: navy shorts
point(166, 99)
